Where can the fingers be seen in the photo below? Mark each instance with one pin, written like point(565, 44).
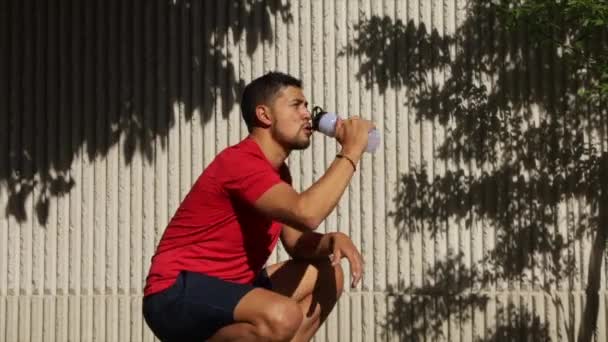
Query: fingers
point(343, 247)
point(336, 257)
point(363, 121)
point(352, 133)
point(356, 264)
point(340, 130)
point(356, 267)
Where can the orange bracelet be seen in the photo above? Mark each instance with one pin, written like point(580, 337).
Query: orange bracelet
point(340, 155)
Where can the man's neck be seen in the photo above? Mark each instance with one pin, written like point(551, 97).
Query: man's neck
point(274, 152)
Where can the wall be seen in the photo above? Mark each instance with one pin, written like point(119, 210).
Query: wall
point(477, 217)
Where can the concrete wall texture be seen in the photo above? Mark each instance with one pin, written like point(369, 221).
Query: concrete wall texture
point(481, 217)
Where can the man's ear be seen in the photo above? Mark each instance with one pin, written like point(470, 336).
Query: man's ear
point(262, 114)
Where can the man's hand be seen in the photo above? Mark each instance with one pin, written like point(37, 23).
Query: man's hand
point(313, 245)
point(343, 247)
point(352, 134)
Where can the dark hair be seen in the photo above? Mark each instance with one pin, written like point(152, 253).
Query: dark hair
point(263, 90)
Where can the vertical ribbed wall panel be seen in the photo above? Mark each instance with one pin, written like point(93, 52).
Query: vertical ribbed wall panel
point(477, 217)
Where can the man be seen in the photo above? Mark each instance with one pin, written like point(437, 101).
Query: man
point(207, 278)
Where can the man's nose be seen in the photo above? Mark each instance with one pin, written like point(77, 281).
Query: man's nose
point(307, 114)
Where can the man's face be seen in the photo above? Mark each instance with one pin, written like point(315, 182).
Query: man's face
point(291, 119)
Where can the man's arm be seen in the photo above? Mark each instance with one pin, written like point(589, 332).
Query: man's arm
point(305, 244)
point(313, 245)
point(307, 210)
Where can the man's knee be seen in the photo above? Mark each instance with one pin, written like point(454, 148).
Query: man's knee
point(281, 321)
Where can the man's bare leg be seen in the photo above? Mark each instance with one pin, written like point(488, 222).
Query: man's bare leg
point(311, 322)
point(315, 285)
point(262, 315)
point(304, 293)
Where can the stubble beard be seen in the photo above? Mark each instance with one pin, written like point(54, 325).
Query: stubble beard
point(300, 145)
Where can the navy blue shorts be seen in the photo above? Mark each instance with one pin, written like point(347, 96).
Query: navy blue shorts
point(196, 306)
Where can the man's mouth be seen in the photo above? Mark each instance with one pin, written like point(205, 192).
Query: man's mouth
point(308, 128)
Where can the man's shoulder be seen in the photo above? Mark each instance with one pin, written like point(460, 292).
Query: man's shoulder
point(245, 150)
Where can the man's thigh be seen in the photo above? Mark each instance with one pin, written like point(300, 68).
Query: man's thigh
point(291, 285)
point(299, 278)
point(194, 307)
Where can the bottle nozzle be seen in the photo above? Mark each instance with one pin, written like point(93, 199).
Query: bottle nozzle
point(317, 114)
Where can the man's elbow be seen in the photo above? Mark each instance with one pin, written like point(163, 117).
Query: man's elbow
point(306, 224)
point(308, 220)
point(312, 223)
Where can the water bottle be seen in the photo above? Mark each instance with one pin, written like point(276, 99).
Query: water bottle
point(325, 122)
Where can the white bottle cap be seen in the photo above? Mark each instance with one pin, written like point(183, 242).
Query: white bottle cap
point(327, 124)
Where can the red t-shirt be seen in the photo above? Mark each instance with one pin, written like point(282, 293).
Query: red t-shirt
point(216, 230)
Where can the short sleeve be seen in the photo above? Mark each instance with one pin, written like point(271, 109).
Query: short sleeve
point(248, 176)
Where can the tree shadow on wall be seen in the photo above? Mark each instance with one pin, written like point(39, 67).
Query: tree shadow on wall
point(448, 305)
point(421, 312)
point(522, 148)
point(90, 75)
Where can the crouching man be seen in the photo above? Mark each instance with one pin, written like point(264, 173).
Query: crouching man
point(207, 280)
